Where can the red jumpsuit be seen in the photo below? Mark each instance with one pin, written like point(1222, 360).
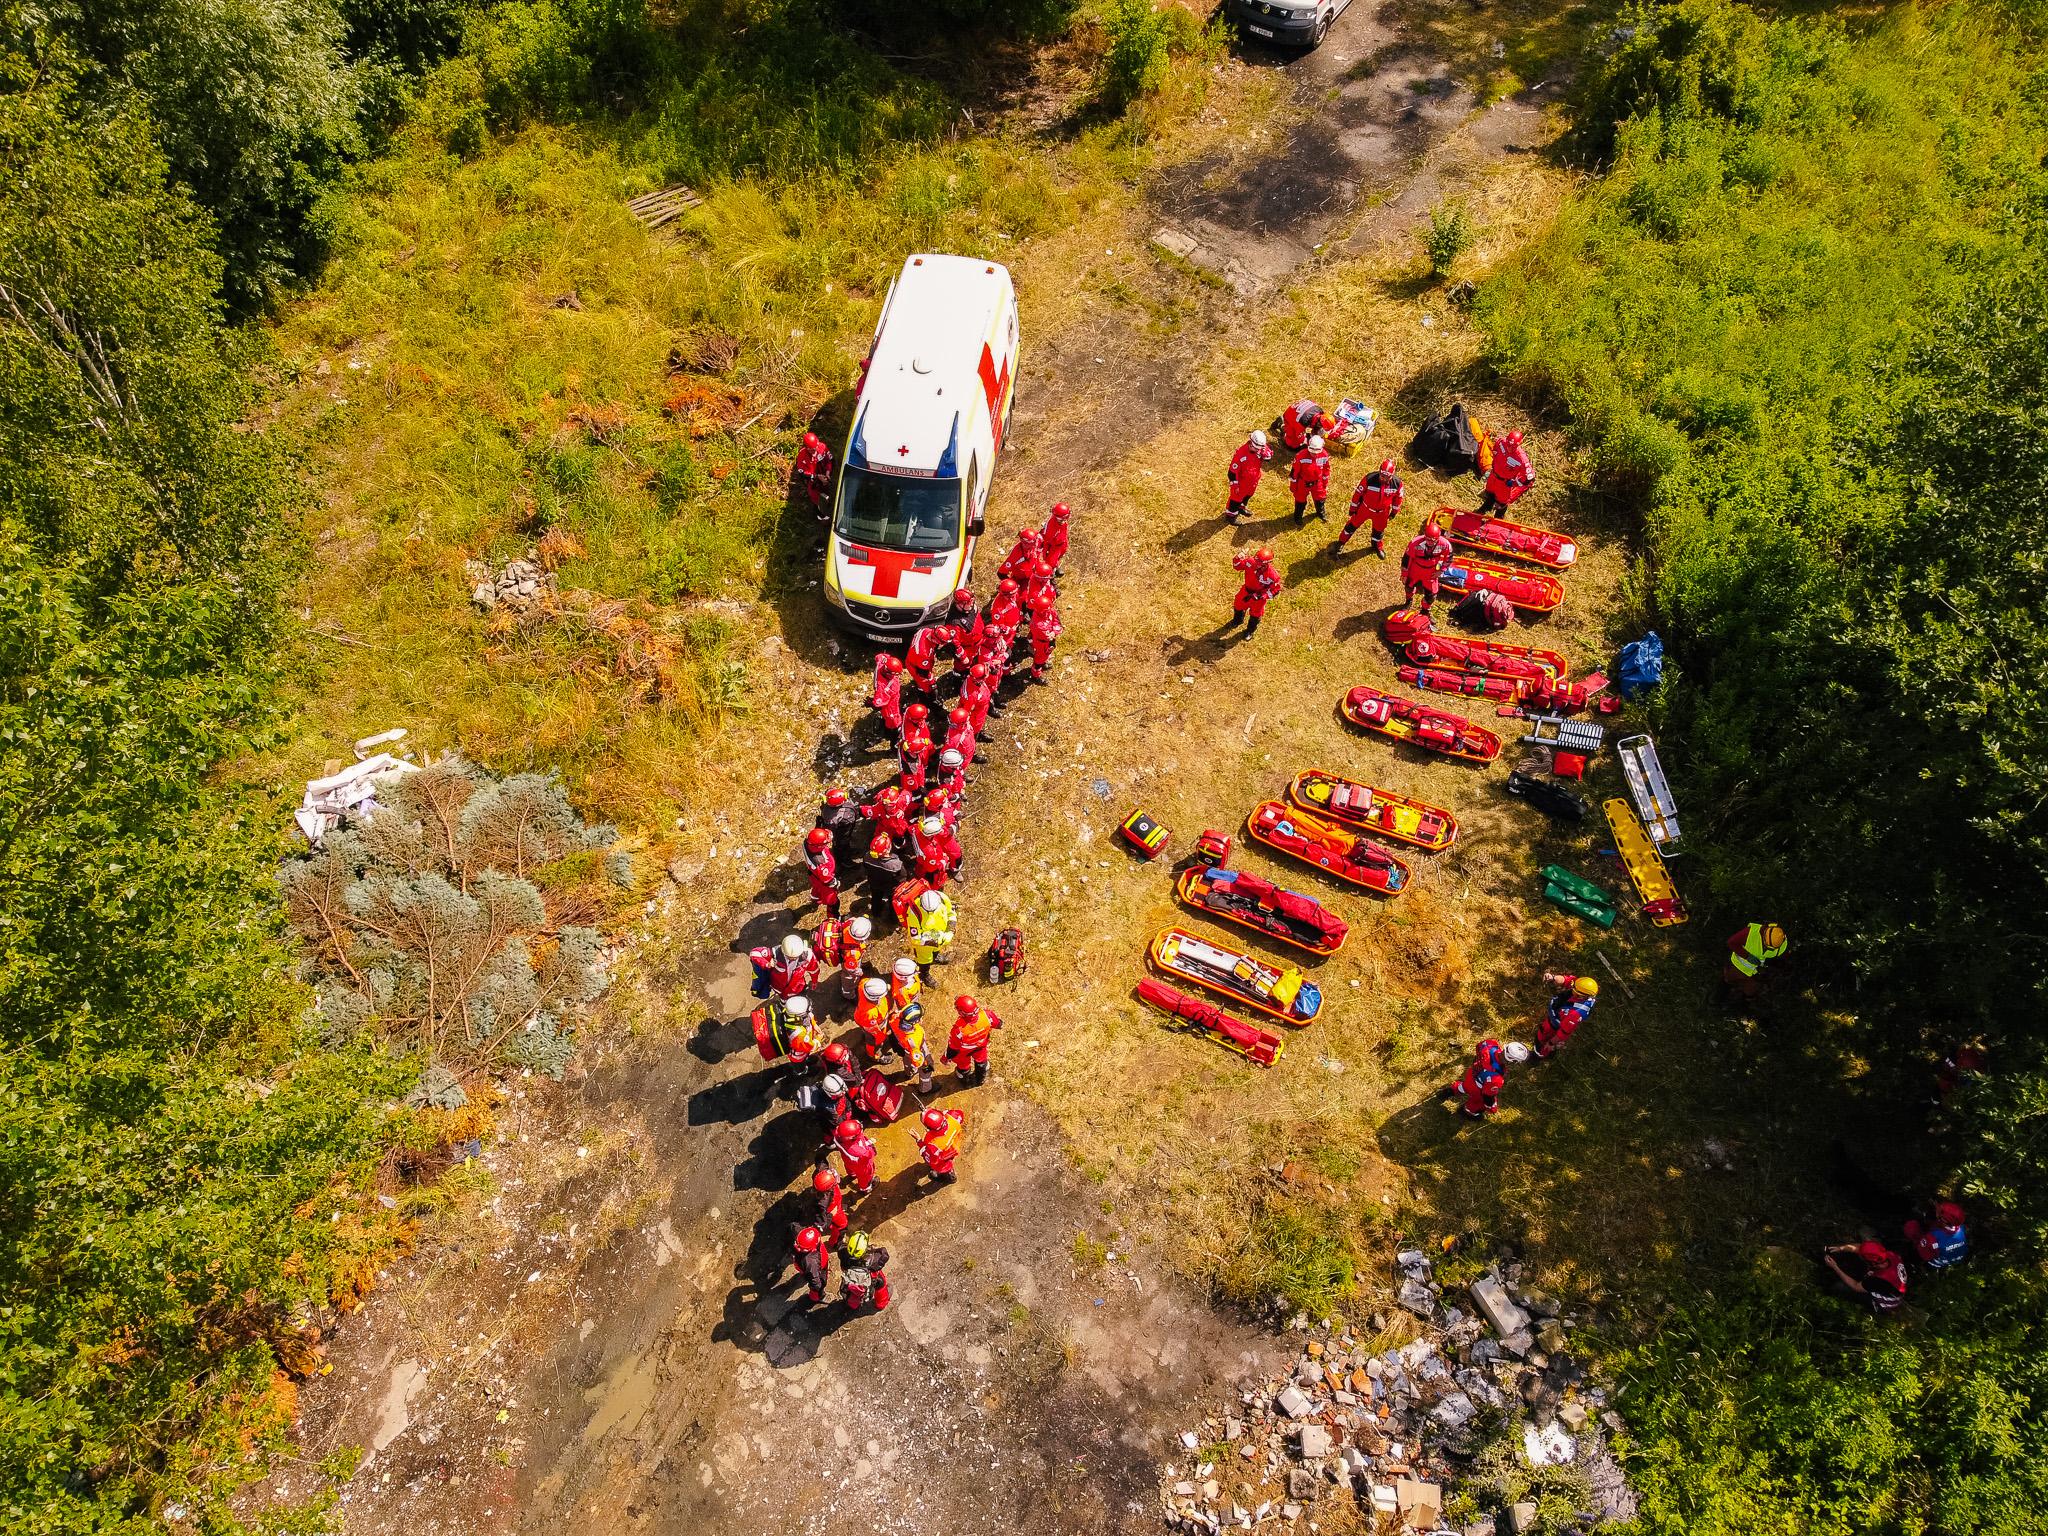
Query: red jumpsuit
point(1482, 1081)
point(1309, 478)
point(1045, 630)
point(923, 656)
point(940, 1149)
point(1509, 477)
point(887, 696)
point(970, 633)
point(976, 696)
point(1039, 593)
point(824, 879)
point(831, 1208)
point(890, 811)
point(1261, 586)
point(1376, 500)
point(1246, 466)
point(1300, 419)
point(857, 1151)
point(1005, 613)
point(1422, 565)
point(960, 737)
point(1023, 556)
point(936, 855)
point(814, 471)
point(787, 978)
point(913, 757)
point(1561, 1020)
point(810, 1263)
point(1052, 543)
point(967, 1046)
point(953, 782)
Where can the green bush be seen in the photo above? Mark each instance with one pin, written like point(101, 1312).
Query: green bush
point(1142, 40)
point(1447, 236)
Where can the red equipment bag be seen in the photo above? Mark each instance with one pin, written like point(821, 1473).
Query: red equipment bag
point(1212, 848)
point(1568, 765)
point(1402, 626)
point(880, 1100)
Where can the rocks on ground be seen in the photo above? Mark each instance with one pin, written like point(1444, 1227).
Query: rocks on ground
point(516, 585)
point(1389, 1431)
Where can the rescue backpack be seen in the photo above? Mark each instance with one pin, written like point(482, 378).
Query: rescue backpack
point(1006, 955)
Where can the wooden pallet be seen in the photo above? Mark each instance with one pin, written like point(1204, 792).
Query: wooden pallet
point(655, 209)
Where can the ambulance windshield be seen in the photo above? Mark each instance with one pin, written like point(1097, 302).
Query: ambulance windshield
point(898, 511)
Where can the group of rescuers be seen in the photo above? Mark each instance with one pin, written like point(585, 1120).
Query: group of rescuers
point(906, 838)
point(1374, 503)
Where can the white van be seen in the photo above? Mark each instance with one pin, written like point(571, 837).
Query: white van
point(934, 404)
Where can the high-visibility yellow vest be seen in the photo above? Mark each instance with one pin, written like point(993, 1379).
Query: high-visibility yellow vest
point(1753, 953)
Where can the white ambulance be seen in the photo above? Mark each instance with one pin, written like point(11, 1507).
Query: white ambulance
point(934, 404)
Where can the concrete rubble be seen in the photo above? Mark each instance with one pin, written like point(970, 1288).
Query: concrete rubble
point(1389, 1431)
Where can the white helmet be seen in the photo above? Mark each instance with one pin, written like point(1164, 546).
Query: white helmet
point(951, 758)
point(1315, 442)
point(794, 948)
point(930, 901)
point(835, 1085)
point(798, 1008)
point(1516, 1052)
point(1258, 439)
point(874, 989)
point(905, 967)
point(860, 930)
point(931, 826)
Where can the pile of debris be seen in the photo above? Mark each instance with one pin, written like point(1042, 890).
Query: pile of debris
point(1391, 1430)
point(518, 584)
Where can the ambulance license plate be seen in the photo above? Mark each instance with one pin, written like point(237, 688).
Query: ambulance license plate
point(1259, 31)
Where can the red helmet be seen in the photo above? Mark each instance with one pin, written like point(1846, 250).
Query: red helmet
point(846, 1130)
point(963, 598)
point(835, 796)
point(1028, 537)
point(811, 440)
point(817, 840)
point(889, 662)
point(881, 847)
point(1514, 439)
point(1042, 569)
point(978, 672)
point(964, 1003)
point(935, 1119)
point(825, 1180)
point(917, 713)
point(1059, 512)
point(1263, 553)
point(1007, 587)
point(959, 716)
point(1386, 466)
point(809, 1240)
point(837, 1055)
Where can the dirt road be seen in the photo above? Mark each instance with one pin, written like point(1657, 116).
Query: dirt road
point(606, 1346)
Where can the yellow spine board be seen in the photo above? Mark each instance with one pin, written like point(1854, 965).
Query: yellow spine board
point(1640, 857)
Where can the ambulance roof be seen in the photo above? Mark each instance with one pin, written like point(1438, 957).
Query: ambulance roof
point(925, 372)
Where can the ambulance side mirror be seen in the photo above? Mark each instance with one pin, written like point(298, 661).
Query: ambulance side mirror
point(977, 525)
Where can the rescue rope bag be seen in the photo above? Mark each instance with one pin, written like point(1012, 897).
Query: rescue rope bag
point(1006, 955)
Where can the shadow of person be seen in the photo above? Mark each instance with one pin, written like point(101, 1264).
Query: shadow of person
point(1187, 651)
point(1196, 534)
point(892, 1196)
point(734, 1101)
point(1322, 561)
point(784, 1147)
point(715, 1039)
point(1367, 621)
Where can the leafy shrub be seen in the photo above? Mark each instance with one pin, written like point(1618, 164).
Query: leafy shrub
point(1447, 236)
point(1143, 39)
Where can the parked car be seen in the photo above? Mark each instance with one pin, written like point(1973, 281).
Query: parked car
point(1293, 23)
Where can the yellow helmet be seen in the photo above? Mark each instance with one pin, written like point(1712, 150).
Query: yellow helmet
point(1585, 986)
point(1774, 939)
point(855, 1245)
